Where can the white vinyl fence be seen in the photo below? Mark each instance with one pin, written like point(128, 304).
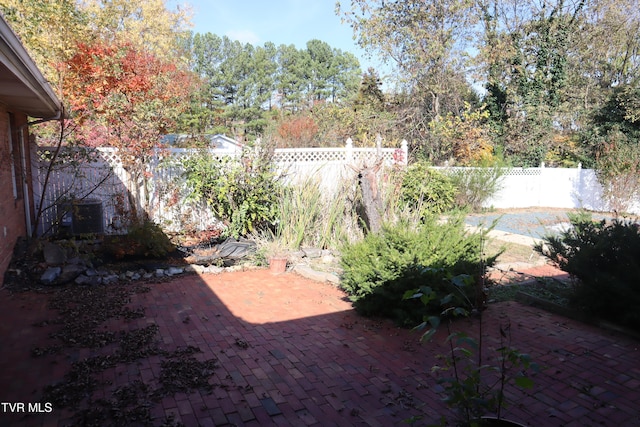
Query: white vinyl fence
point(100, 184)
point(568, 188)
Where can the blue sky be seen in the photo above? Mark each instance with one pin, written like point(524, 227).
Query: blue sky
point(278, 21)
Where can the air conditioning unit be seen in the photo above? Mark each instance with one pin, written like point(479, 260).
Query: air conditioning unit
point(84, 217)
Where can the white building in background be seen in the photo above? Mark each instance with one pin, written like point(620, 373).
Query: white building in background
point(217, 141)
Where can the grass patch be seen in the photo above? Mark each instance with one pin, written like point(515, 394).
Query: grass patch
point(512, 252)
point(550, 290)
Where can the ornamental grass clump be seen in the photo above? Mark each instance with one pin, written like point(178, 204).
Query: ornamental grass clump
point(309, 217)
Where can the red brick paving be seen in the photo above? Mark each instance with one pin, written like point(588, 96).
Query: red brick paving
point(529, 274)
point(311, 360)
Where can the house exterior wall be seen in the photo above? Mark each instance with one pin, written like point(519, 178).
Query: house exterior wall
point(12, 197)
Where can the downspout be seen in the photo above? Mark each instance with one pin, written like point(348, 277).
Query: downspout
point(23, 160)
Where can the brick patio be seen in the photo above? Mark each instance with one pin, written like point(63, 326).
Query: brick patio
point(293, 352)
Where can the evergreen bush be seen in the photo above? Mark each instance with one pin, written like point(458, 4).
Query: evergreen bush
point(381, 268)
point(603, 256)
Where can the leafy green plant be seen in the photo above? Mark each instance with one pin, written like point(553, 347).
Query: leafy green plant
point(474, 384)
point(378, 270)
point(603, 256)
point(475, 387)
point(243, 193)
point(428, 188)
point(476, 185)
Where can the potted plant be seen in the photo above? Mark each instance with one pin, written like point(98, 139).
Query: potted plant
point(473, 383)
point(277, 257)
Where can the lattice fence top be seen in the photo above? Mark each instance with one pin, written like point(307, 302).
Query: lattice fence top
point(369, 156)
point(110, 155)
point(346, 154)
point(505, 171)
point(523, 171)
point(293, 155)
point(324, 155)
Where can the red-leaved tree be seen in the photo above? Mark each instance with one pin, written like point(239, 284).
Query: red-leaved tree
point(124, 98)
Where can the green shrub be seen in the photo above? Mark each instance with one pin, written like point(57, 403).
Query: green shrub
point(381, 268)
point(243, 193)
point(427, 189)
point(476, 185)
point(604, 257)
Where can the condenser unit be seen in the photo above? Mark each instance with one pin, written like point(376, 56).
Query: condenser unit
point(84, 217)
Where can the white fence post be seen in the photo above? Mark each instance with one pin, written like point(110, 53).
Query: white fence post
point(404, 146)
point(348, 151)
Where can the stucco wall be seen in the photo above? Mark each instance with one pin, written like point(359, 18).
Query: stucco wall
point(12, 216)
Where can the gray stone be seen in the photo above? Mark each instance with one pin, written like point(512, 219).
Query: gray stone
point(69, 273)
point(76, 260)
point(54, 254)
point(193, 268)
point(147, 275)
point(213, 269)
point(84, 280)
point(320, 276)
point(312, 252)
point(136, 276)
point(297, 254)
point(91, 272)
point(327, 259)
point(50, 275)
point(172, 271)
point(159, 272)
point(111, 278)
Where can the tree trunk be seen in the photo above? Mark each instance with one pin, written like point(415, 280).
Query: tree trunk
point(368, 181)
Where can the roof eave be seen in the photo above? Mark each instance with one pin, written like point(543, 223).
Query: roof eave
point(42, 101)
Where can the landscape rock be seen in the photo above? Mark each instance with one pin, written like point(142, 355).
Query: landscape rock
point(192, 268)
point(50, 275)
point(84, 280)
point(312, 252)
point(328, 259)
point(109, 279)
point(69, 273)
point(172, 271)
point(54, 254)
point(320, 276)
